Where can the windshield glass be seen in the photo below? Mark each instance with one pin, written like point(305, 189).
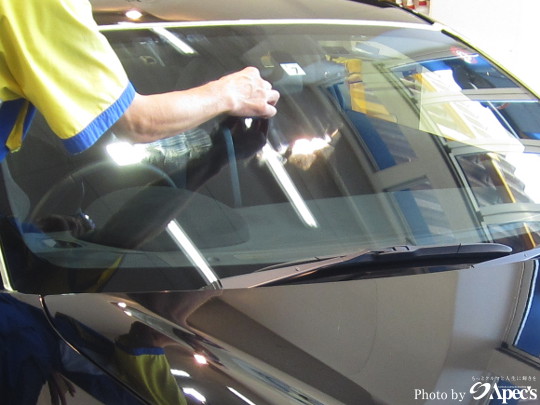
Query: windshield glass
point(385, 135)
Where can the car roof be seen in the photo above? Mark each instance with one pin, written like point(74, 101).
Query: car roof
point(112, 11)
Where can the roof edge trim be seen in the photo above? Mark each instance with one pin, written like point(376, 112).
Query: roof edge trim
point(217, 23)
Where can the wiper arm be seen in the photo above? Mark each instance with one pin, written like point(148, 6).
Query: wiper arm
point(375, 261)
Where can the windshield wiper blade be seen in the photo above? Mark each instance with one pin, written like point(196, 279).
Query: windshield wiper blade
point(376, 261)
point(461, 253)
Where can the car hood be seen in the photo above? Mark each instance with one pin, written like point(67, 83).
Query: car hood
point(383, 340)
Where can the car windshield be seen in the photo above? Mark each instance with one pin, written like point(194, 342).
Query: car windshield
point(385, 135)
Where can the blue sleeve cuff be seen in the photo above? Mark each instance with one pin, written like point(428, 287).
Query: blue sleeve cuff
point(141, 351)
point(101, 124)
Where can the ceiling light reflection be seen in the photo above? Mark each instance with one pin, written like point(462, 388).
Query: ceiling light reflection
point(192, 392)
point(179, 373)
point(200, 359)
point(133, 14)
point(242, 397)
point(273, 160)
point(190, 250)
point(174, 41)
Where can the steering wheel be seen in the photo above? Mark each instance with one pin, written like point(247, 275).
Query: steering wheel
point(65, 198)
point(147, 213)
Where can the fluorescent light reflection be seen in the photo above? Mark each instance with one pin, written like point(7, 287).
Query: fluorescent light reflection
point(190, 250)
point(179, 373)
point(174, 41)
point(272, 159)
point(242, 397)
point(192, 392)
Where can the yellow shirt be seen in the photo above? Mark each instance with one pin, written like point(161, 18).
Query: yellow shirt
point(148, 371)
point(53, 57)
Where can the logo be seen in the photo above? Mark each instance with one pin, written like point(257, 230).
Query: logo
point(503, 390)
point(503, 393)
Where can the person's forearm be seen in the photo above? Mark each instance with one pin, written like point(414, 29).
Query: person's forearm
point(159, 116)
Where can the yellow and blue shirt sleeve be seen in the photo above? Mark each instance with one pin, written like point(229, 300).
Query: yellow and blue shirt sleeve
point(148, 371)
point(53, 58)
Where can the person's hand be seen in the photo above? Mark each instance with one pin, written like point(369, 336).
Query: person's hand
point(249, 95)
point(59, 386)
